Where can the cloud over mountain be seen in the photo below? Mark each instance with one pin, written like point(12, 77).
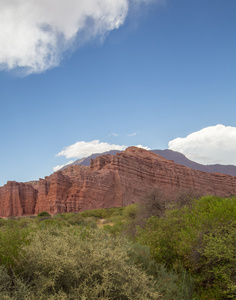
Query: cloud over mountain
point(210, 145)
point(83, 149)
point(35, 34)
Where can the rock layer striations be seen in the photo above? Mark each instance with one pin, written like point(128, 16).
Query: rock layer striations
point(110, 181)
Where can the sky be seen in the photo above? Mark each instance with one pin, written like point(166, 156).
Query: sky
point(80, 77)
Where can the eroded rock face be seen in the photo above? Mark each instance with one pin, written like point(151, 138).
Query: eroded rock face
point(17, 199)
point(110, 181)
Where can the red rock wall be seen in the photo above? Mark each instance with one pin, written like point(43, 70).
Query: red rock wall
point(17, 199)
point(110, 181)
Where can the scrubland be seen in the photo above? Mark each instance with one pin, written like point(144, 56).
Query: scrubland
point(158, 249)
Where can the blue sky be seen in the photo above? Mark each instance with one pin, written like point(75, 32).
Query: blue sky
point(153, 72)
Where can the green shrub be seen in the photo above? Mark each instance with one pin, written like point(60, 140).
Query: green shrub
point(131, 211)
point(172, 285)
point(5, 279)
point(2, 222)
point(84, 264)
point(47, 223)
point(114, 211)
point(43, 214)
point(201, 237)
point(89, 222)
point(115, 219)
point(218, 260)
point(116, 229)
point(13, 287)
point(11, 240)
point(100, 213)
point(75, 219)
point(25, 222)
point(124, 221)
point(63, 216)
point(50, 259)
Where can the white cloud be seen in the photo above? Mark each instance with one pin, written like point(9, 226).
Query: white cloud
point(35, 34)
point(58, 167)
point(133, 134)
point(210, 145)
point(84, 149)
point(113, 134)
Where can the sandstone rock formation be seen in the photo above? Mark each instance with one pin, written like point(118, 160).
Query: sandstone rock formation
point(175, 156)
point(110, 181)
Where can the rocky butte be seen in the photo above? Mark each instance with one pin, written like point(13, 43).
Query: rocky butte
point(110, 181)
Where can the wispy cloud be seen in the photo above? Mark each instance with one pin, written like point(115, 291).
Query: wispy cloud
point(210, 145)
point(113, 134)
point(35, 34)
point(133, 134)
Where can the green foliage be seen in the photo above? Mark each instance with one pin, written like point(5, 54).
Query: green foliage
point(24, 222)
point(67, 256)
point(123, 221)
point(91, 217)
point(54, 260)
point(100, 213)
point(74, 219)
point(114, 229)
point(218, 260)
point(115, 211)
point(170, 284)
point(47, 223)
point(64, 216)
point(43, 214)
point(89, 222)
point(12, 237)
point(84, 264)
point(201, 237)
point(2, 222)
point(131, 211)
point(12, 287)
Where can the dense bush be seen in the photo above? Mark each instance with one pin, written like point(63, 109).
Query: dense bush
point(100, 213)
point(48, 260)
point(12, 237)
point(202, 238)
point(76, 264)
point(185, 244)
point(43, 214)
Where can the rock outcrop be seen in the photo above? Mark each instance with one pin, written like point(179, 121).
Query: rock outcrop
point(110, 181)
point(175, 156)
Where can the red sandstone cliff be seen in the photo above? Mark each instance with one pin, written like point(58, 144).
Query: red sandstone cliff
point(110, 181)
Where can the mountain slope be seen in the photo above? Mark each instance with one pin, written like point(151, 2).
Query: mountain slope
point(179, 158)
point(110, 181)
point(86, 160)
point(175, 156)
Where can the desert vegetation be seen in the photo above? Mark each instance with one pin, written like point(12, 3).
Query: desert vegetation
point(159, 249)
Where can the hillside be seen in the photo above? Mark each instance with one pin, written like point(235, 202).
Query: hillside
point(110, 181)
point(175, 156)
